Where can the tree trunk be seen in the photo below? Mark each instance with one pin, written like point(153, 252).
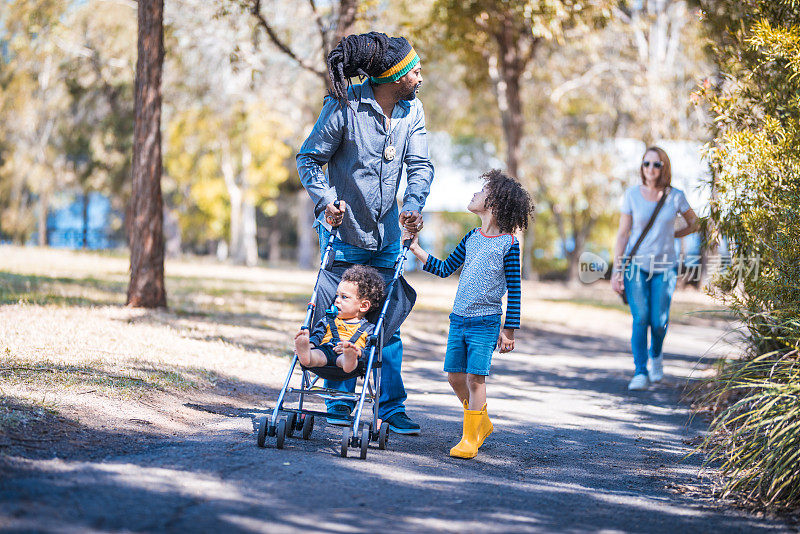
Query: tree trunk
point(235, 199)
point(506, 72)
point(243, 243)
point(526, 261)
point(274, 245)
point(248, 246)
point(348, 9)
point(146, 288)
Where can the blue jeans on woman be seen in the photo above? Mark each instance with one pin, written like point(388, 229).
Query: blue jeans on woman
point(649, 297)
point(393, 393)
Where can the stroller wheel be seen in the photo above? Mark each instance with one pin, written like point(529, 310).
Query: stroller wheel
point(291, 422)
point(262, 431)
point(308, 426)
point(383, 435)
point(300, 420)
point(364, 442)
point(345, 441)
point(280, 436)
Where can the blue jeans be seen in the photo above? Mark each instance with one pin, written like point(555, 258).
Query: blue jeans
point(649, 297)
point(470, 344)
point(393, 393)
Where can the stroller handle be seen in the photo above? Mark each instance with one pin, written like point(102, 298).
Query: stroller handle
point(336, 204)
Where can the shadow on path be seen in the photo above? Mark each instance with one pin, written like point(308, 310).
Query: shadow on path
point(573, 451)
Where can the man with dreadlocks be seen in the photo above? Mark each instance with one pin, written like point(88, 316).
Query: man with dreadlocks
point(367, 134)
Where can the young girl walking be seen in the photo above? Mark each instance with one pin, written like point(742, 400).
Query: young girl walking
point(491, 258)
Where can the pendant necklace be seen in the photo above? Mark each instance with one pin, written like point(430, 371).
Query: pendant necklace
point(389, 152)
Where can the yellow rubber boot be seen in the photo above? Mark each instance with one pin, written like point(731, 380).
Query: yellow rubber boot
point(484, 426)
point(468, 446)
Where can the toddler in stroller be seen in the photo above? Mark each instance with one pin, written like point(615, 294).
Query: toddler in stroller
point(346, 342)
point(341, 340)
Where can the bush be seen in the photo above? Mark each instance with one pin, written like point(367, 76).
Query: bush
point(755, 158)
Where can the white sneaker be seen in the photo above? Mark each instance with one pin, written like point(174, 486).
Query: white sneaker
point(655, 368)
point(638, 382)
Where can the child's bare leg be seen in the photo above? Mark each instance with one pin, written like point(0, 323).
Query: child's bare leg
point(348, 361)
point(458, 381)
point(477, 391)
point(308, 356)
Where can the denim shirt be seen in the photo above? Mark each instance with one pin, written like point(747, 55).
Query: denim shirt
point(351, 140)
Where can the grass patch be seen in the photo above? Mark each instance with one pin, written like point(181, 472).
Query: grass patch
point(119, 381)
point(65, 291)
point(16, 413)
point(187, 295)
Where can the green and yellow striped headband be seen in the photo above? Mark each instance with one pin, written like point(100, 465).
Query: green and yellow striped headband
point(399, 70)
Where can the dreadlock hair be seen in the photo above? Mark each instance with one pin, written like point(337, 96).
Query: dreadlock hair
point(355, 55)
point(369, 283)
point(511, 205)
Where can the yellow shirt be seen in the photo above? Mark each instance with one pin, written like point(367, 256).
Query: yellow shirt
point(346, 331)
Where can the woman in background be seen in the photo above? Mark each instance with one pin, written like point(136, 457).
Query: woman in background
point(648, 278)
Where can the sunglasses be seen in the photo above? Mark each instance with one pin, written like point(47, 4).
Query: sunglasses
point(656, 164)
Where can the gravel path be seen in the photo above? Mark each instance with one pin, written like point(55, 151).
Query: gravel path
point(572, 451)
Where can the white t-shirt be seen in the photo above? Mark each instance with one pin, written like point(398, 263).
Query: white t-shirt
point(656, 253)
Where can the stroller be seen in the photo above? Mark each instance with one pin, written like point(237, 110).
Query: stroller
point(397, 304)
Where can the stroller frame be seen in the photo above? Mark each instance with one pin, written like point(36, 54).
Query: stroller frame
point(356, 434)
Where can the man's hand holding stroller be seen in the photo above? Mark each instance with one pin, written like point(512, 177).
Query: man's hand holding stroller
point(334, 212)
point(411, 221)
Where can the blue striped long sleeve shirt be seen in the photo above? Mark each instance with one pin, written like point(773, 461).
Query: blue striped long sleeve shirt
point(491, 266)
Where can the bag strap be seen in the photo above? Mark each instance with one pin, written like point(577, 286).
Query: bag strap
point(649, 223)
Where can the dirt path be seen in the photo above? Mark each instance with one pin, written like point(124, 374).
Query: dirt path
point(572, 451)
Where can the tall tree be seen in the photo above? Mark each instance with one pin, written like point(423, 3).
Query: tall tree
point(333, 24)
point(499, 39)
point(226, 152)
point(97, 133)
point(146, 288)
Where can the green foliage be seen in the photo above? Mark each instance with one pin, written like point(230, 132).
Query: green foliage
point(66, 104)
point(30, 101)
point(757, 438)
point(756, 161)
point(210, 156)
point(97, 131)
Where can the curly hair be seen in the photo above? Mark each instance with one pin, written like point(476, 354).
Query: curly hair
point(369, 283)
point(511, 205)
